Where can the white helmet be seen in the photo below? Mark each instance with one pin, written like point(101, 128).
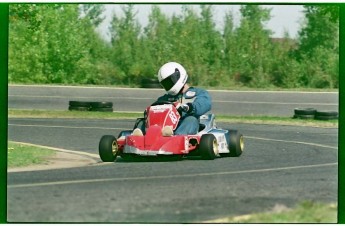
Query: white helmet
point(172, 76)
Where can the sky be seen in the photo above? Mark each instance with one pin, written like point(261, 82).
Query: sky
point(284, 17)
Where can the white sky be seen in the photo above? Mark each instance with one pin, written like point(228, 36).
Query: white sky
point(284, 17)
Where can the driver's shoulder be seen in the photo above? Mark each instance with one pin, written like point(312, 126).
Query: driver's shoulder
point(195, 91)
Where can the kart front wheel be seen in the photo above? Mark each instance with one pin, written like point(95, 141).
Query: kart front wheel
point(108, 148)
point(208, 147)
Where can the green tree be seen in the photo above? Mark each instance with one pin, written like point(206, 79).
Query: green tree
point(188, 44)
point(318, 50)
point(319, 30)
point(212, 47)
point(330, 10)
point(51, 43)
point(157, 40)
point(94, 13)
point(230, 42)
point(125, 33)
point(285, 70)
point(252, 50)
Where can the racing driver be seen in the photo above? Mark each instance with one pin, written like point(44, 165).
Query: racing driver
point(194, 102)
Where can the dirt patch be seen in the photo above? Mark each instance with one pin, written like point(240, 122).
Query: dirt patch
point(58, 161)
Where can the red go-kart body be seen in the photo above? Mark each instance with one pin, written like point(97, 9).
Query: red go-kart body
point(154, 142)
point(157, 139)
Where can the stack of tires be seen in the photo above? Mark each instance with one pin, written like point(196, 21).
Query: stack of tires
point(150, 83)
point(304, 113)
point(102, 106)
point(326, 115)
point(312, 113)
point(90, 106)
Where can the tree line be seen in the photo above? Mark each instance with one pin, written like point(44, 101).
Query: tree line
point(58, 43)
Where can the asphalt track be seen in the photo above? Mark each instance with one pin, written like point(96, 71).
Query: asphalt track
point(225, 102)
point(281, 165)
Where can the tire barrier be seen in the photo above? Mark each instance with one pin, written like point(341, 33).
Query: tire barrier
point(312, 113)
point(304, 113)
point(326, 115)
point(90, 106)
point(150, 83)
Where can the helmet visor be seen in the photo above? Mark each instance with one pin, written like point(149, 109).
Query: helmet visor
point(171, 80)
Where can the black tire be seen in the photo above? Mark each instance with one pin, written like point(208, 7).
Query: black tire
point(74, 108)
point(108, 148)
point(236, 145)
point(207, 145)
point(102, 109)
point(326, 113)
point(74, 103)
point(305, 111)
point(151, 86)
point(323, 117)
point(150, 83)
point(103, 104)
point(304, 116)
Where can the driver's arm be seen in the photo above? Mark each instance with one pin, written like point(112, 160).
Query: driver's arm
point(165, 97)
point(202, 103)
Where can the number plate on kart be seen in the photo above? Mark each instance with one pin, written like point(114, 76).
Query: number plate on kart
point(160, 108)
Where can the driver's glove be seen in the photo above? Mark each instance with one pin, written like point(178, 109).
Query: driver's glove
point(188, 108)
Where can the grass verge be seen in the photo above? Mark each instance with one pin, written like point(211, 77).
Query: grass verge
point(20, 155)
point(14, 113)
point(305, 212)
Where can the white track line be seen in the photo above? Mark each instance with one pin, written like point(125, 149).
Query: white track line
point(76, 97)
point(114, 128)
point(81, 87)
point(275, 103)
point(211, 90)
point(171, 176)
point(294, 142)
point(168, 177)
point(145, 98)
point(67, 127)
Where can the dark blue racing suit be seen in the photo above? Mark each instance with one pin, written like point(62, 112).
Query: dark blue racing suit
point(202, 103)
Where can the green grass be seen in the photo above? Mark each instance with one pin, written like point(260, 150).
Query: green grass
point(20, 155)
point(14, 113)
point(305, 212)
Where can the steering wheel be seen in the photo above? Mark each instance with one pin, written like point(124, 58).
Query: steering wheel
point(162, 102)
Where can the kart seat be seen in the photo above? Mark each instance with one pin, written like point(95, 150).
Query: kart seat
point(201, 126)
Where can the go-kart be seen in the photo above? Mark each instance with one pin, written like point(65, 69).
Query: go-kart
point(209, 143)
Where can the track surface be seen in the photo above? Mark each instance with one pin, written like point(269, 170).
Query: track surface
point(281, 165)
point(224, 102)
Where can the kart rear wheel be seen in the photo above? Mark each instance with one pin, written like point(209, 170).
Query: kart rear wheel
point(208, 147)
point(236, 145)
point(108, 148)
